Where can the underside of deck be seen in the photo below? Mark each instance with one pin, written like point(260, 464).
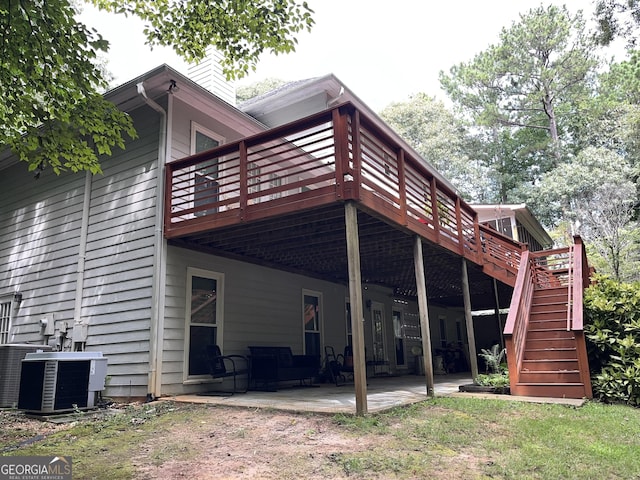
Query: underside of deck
point(313, 243)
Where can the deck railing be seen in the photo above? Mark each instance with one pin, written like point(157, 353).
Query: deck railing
point(335, 155)
point(515, 328)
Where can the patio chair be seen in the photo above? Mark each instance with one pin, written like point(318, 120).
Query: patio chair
point(225, 366)
point(333, 366)
point(339, 367)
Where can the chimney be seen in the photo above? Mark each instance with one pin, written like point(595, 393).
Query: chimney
point(208, 74)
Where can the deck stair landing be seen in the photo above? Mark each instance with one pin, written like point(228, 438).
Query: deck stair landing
point(545, 344)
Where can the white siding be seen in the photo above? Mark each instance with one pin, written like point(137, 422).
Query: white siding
point(208, 73)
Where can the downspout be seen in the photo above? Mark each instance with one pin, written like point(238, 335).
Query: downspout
point(157, 297)
point(78, 339)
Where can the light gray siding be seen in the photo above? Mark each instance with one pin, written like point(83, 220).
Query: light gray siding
point(262, 306)
point(116, 301)
point(40, 224)
point(39, 231)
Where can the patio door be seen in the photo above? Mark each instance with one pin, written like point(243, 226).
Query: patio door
point(398, 333)
point(378, 327)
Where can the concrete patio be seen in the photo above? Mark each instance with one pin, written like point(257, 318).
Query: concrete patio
point(383, 393)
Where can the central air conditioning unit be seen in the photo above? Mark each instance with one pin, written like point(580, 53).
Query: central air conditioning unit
point(61, 381)
point(11, 355)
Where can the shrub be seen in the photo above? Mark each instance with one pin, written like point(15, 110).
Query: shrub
point(612, 328)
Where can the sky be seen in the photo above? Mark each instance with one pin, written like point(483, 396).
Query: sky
point(383, 51)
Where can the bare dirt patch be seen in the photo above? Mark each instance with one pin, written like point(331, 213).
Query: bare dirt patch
point(248, 444)
point(166, 440)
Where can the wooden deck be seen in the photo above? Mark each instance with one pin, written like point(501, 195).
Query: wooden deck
point(313, 165)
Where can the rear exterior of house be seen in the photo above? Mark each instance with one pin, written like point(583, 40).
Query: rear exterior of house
point(149, 271)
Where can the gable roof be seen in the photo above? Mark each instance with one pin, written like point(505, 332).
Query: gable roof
point(519, 211)
point(335, 92)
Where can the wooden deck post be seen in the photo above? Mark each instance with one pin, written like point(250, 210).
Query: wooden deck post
point(423, 308)
point(355, 297)
point(466, 298)
point(498, 317)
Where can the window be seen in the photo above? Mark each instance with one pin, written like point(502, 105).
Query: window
point(206, 177)
point(312, 319)
point(443, 331)
point(275, 182)
point(5, 320)
point(203, 139)
point(203, 319)
point(398, 333)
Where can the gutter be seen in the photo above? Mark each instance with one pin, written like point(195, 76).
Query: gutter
point(159, 258)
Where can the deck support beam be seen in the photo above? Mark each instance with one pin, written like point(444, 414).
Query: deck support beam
point(471, 337)
point(423, 308)
point(357, 315)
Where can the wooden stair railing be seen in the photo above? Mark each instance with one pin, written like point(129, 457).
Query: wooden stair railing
point(546, 350)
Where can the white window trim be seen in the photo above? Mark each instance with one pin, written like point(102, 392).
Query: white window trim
point(219, 277)
point(317, 294)
point(195, 128)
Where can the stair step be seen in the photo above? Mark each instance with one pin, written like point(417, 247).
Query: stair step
point(550, 300)
point(568, 353)
point(550, 334)
point(558, 390)
point(547, 364)
point(551, 291)
point(549, 307)
point(550, 376)
point(537, 325)
point(541, 343)
point(548, 316)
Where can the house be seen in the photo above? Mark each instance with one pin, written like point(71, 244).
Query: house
point(236, 228)
point(515, 221)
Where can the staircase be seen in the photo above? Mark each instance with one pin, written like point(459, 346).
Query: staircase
point(546, 350)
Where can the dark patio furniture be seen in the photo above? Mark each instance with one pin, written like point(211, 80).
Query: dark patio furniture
point(225, 366)
point(271, 365)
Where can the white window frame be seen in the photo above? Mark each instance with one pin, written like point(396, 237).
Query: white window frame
point(7, 306)
point(320, 330)
point(219, 278)
point(197, 128)
point(209, 181)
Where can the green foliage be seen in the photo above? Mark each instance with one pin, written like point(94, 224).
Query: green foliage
point(612, 327)
point(617, 18)
point(247, 92)
point(493, 357)
point(240, 29)
point(523, 93)
point(440, 138)
point(493, 379)
point(52, 112)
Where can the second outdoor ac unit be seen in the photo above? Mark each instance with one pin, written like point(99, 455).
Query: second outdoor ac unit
point(61, 381)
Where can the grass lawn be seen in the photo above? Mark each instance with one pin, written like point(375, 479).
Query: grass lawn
point(441, 438)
